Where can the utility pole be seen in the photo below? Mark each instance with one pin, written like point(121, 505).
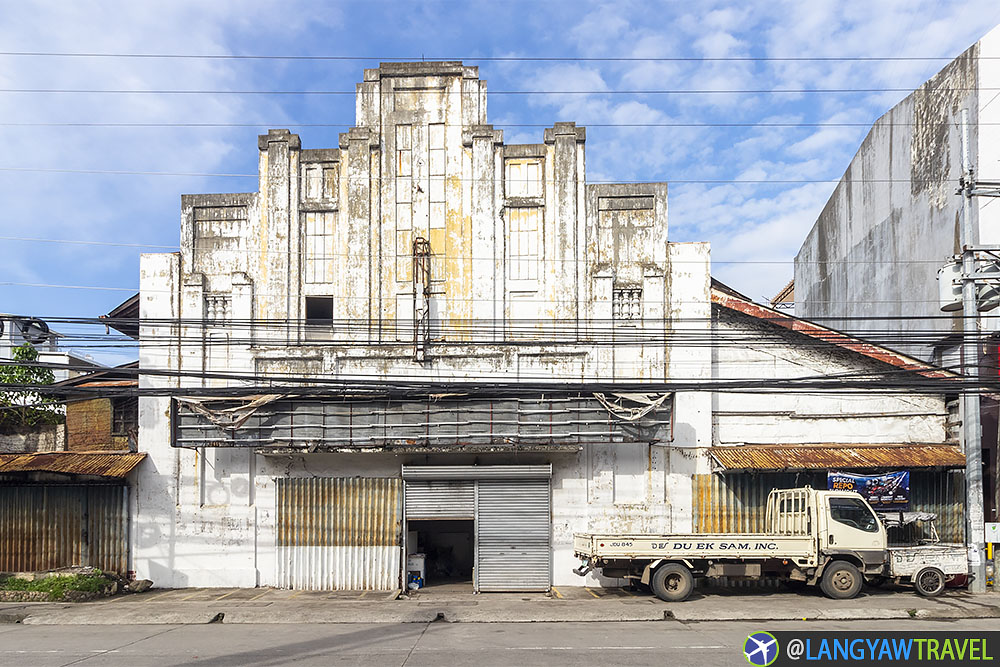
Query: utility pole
point(971, 418)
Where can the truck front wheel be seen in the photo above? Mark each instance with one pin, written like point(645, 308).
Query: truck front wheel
point(929, 582)
point(841, 580)
point(672, 582)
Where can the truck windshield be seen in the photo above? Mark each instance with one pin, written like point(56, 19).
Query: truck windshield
point(852, 512)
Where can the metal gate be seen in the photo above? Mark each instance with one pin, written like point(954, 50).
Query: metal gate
point(44, 527)
point(512, 534)
point(443, 499)
point(513, 518)
point(339, 533)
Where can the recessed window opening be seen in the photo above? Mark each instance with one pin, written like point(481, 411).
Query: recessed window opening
point(125, 415)
point(319, 309)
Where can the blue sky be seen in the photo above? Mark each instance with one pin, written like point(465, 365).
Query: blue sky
point(750, 225)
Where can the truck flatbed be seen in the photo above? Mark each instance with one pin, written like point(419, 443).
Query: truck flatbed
point(702, 545)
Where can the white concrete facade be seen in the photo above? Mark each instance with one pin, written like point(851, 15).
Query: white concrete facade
point(545, 265)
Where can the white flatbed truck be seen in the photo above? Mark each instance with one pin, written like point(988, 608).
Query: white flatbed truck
point(828, 538)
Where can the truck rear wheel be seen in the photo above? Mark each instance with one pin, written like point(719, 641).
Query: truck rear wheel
point(841, 580)
point(929, 582)
point(672, 582)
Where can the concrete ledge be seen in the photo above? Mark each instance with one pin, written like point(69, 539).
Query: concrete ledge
point(121, 616)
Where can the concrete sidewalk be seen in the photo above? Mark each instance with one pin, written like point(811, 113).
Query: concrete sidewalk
point(197, 606)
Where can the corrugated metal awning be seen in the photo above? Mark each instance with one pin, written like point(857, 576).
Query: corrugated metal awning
point(833, 456)
point(478, 472)
point(101, 464)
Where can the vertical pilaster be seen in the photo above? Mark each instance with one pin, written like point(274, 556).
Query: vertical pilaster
point(357, 209)
point(487, 228)
point(279, 294)
point(562, 265)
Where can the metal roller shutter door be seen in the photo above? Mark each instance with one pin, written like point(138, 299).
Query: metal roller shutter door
point(450, 499)
point(513, 535)
point(339, 533)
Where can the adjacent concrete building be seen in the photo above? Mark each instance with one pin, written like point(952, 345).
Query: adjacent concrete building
point(894, 219)
point(456, 347)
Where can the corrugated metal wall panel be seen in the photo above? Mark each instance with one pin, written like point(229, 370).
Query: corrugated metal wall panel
point(737, 502)
point(942, 493)
point(106, 516)
point(445, 499)
point(513, 531)
point(44, 527)
point(338, 533)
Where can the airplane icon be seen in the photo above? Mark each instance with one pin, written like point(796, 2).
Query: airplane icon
point(764, 651)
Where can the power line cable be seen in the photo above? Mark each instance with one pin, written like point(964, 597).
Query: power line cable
point(445, 257)
point(679, 124)
point(598, 91)
point(378, 179)
point(429, 59)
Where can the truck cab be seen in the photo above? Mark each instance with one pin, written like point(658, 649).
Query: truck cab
point(849, 528)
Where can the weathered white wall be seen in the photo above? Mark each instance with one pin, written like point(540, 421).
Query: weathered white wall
point(810, 418)
point(894, 218)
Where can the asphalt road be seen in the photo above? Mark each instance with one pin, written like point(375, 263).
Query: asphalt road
point(449, 644)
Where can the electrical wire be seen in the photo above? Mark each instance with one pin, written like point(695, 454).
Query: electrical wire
point(473, 58)
point(372, 179)
point(445, 257)
point(568, 303)
point(519, 93)
point(678, 124)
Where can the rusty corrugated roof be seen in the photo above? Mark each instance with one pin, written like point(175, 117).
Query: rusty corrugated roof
point(102, 464)
point(833, 456)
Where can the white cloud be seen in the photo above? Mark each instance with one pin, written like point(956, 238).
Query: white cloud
point(113, 208)
point(745, 222)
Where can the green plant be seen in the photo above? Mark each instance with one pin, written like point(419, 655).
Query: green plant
point(57, 585)
point(20, 404)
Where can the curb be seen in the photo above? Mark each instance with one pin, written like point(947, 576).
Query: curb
point(244, 616)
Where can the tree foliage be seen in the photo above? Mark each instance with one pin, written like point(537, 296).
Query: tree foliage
point(24, 408)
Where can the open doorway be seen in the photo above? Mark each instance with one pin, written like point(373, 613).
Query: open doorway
point(449, 550)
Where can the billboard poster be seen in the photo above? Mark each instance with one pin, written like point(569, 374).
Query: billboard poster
point(888, 491)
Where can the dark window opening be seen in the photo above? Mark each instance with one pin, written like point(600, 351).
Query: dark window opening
point(124, 415)
point(319, 319)
point(319, 309)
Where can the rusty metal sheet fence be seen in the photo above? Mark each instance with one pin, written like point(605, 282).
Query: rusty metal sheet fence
point(339, 533)
point(737, 502)
point(44, 527)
